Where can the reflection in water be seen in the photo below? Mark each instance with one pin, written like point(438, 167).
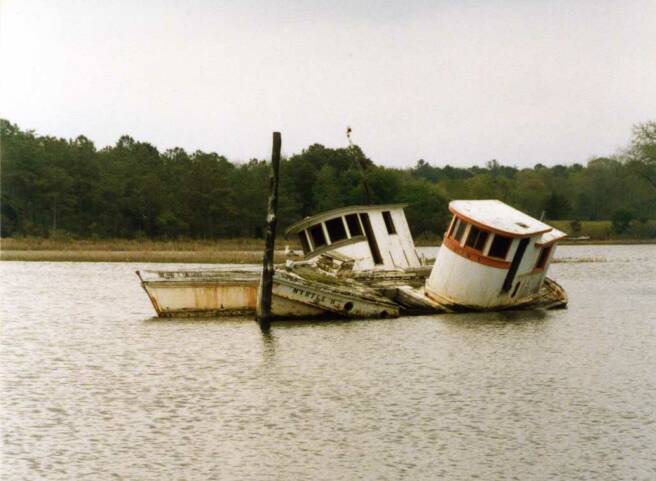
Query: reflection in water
point(498, 318)
point(95, 388)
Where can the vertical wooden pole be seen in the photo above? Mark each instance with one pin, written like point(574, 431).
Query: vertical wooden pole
point(263, 312)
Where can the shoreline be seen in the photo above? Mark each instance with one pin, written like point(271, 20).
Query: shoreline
point(179, 257)
point(201, 256)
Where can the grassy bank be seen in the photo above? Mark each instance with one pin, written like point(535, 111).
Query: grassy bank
point(237, 251)
point(227, 251)
point(602, 230)
point(598, 232)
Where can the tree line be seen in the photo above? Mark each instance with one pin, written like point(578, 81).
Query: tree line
point(61, 186)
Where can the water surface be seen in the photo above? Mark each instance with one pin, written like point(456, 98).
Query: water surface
point(95, 388)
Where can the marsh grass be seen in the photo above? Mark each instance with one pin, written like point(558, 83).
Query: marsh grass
point(38, 243)
point(602, 230)
point(229, 251)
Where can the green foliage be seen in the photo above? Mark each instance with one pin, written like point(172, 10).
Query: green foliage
point(62, 188)
point(621, 220)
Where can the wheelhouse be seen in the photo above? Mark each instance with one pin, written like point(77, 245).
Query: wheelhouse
point(504, 250)
point(375, 236)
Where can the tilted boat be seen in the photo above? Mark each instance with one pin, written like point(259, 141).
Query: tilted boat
point(361, 261)
point(202, 292)
point(494, 257)
point(368, 242)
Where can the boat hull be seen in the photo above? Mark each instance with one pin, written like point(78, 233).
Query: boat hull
point(199, 294)
point(295, 297)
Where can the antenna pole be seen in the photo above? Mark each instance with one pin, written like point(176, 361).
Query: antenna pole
point(360, 161)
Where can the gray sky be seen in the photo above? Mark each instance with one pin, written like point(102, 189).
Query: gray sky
point(448, 81)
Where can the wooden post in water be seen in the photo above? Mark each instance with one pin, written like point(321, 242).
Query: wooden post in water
point(263, 311)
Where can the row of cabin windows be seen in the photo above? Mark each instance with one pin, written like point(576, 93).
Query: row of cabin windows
point(337, 231)
point(477, 239)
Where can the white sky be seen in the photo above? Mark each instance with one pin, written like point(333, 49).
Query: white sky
point(452, 82)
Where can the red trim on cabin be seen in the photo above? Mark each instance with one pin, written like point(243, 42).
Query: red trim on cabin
point(493, 229)
point(473, 255)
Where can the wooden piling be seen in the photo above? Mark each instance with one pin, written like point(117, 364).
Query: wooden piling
point(263, 312)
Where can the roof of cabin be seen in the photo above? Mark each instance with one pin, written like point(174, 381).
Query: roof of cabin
point(551, 236)
point(329, 214)
point(499, 217)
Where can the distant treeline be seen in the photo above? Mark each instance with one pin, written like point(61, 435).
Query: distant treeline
point(53, 186)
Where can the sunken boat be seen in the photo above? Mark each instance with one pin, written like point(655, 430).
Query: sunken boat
point(364, 245)
point(361, 262)
point(494, 257)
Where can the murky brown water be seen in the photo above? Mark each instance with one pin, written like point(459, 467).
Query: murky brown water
point(95, 389)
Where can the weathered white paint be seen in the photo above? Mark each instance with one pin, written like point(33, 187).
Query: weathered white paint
point(201, 292)
point(297, 297)
point(467, 280)
point(397, 250)
point(178, 298)
point(496, 214)
point(358, 251)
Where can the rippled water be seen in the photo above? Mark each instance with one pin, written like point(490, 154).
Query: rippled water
point(94, 388)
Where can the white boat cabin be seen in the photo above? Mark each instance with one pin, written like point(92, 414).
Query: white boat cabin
point(492, 256)
point(374, 236)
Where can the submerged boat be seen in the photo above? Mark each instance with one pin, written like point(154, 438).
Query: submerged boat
point(370, 244)
point(361, 262)
point(492, 257)
point(202, 292)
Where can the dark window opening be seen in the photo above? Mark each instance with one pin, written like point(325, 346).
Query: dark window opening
point(336, 230)
point(371, 238)
point(481, 240)
point(544, 255)
point(387, 217)
point(473, 234)
point(476, 238)
point(353, 224)
point(460, 230)
point(500, 246)
point(517, 259)
point(318, 239)
point(304, 242)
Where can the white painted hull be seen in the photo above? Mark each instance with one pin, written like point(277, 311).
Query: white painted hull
point(301, 298)
point(234, 293)
point(201, 294)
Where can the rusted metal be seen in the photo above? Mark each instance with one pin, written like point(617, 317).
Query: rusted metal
point(197, 293)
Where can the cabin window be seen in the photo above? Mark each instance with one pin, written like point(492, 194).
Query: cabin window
point(477, 238)
point(318, 239)
point(353, 225)
point(336, 230)
point(304, 242)
point(460, 230)
point(544, 255)
point(452, 227)
point(387, 217)
point(500, 246)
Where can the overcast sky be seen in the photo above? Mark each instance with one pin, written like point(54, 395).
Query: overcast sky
point(453, 82)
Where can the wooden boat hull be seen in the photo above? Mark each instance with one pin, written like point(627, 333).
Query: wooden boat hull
point(201, 294)
point(551, 295)
point(295, 297)
point(232, 292)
